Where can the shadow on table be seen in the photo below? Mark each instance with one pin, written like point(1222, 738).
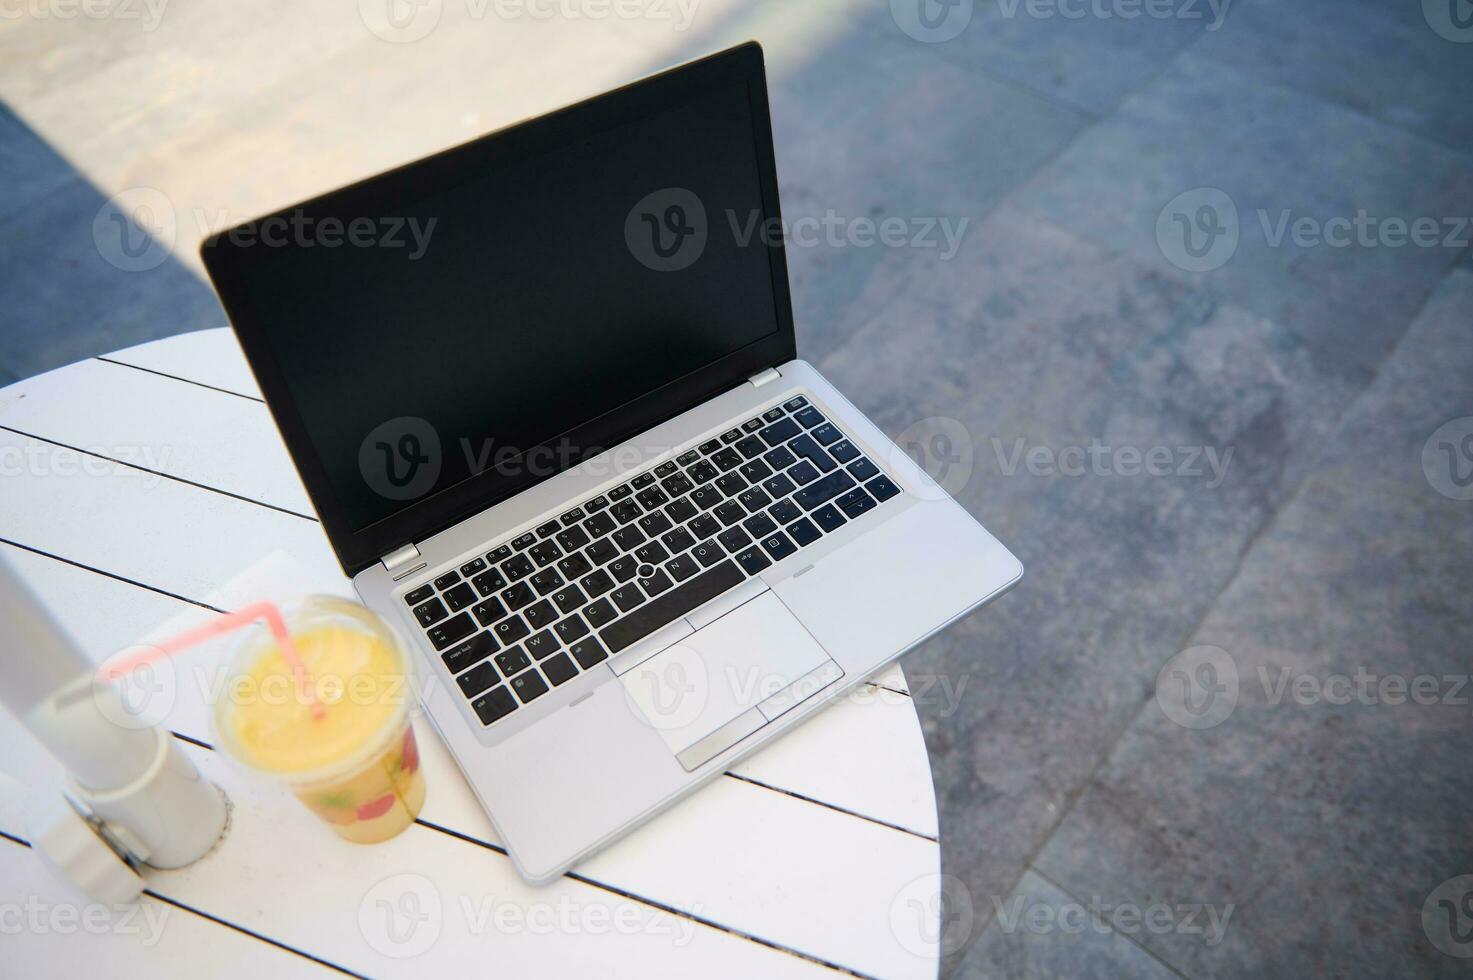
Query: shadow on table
point(83, 274)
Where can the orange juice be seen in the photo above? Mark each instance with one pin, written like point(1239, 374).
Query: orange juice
point(354, 762)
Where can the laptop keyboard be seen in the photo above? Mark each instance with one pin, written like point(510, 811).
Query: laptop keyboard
point(534, 612)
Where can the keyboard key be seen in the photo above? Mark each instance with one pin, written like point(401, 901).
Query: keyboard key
point(731, 436)
point(572, 539)
point(628, 597)
point(752, 560)
point(826, 435)
point(708, 553)
point(572, 628)
point(772, 415)
point(642, 481)
point(863, 470)
point(539, 614)
point(528, 686)
point(628, 538)
point(599, 524)
point(759, 525)
point(778, 546)
point(803, 473)
point(677, 485)
point(623, 568)
point(652, 498)
point(541, 645)
point(547, 530)
point(489, 581)
point(843, 451)
point(779, 486)
point(655, 524)
point(473, 567)
point(780, 458)
point(824, 490)
point(447, 580)
point(805, 447)
point(751, 447)
point(573, 517)
point(546, 580)
point(471, 652)
point(499, 554)
point(656, 583)
point(597, 583)
point(545, 553)
point(512, 661)
point(599, 613)
point(419, 595)
point(784, 511)
point(511, 630)
point(685, 459)
point(704, 527)
point(451, 631)
point(524, 541)
point(754, 499)
point(730, 513)
point(573, 566)
point(882, 488)
point(727, 459)
point(678, 540)
point(776, 435)
point(705, 497)
point(560, 670)
point(460, 596)
point(680, 568)
point(518, 568)
point(494, 705)
point(794, 404)
point(702, 472)
point(489, 611)
point(756, 471)
point(619, 493)
point(430, 613)
point(681, 510)
point(601, 551)
point(568, 599)
point(731, 484)
point(733, 539)
point(803, 532)
point(518, 596)
point(625, 511)
point(856, 502)
point(588, 652)
point(665, 469)
point(751, 425)
point(809, 417)
point(652, 553)
point(477, 679)
point(828, 518)
point(673, 604)
point(596, 504)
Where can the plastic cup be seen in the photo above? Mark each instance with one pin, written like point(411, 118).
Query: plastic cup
point(353, 761)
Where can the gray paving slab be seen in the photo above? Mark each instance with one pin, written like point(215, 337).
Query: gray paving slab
point(1040, 932)
point(1228, 166)
point(1330, 826)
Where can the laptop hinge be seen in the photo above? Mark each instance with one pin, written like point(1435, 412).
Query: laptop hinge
point(396, 560)
point(766, 377)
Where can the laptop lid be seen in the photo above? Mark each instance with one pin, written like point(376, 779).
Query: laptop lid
point(436, 339)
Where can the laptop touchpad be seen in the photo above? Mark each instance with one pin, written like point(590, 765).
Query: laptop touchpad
point(714, 679)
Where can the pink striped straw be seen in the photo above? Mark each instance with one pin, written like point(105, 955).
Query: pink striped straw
point(227, 623)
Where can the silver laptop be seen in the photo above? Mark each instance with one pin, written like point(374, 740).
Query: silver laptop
point(544, 392)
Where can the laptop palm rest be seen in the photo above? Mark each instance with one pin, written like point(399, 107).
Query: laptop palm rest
point(723, 682)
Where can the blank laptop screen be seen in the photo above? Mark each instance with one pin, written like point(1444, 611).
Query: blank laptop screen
point(491, 313)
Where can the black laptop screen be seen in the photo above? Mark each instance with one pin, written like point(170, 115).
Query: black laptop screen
point(447, 332)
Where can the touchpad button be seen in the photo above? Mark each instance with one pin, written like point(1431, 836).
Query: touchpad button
point(722, 671)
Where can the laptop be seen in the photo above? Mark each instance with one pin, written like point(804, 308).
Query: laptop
point(544, 392)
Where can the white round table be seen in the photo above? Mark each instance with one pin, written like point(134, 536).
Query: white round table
point(147, 490)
